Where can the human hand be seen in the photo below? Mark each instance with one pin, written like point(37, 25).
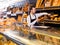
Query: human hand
point(38, 20)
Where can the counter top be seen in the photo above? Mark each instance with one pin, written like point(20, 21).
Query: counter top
point(14, 34)
point(51, 32)
point(24, 40)
point(54, 33)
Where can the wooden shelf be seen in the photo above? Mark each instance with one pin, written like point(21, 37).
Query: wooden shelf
point(49, 8)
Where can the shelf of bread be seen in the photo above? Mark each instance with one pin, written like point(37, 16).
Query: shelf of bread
point(49, 8)
point(55, 19)
point(48, 4)
point(52, 19)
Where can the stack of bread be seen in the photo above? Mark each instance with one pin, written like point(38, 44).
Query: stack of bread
point(56, 3)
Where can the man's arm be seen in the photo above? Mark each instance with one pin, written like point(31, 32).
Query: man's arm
point(40, 14)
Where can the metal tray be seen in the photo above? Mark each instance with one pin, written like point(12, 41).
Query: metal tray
point(41, 27)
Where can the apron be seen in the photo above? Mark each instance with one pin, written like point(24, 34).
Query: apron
point(36, 24)
point(9, 15)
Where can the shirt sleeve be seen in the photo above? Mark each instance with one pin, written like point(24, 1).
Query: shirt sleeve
point(29, 21)
point(40, 14)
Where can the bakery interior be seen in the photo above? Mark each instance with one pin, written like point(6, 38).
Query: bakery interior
point(14, 29)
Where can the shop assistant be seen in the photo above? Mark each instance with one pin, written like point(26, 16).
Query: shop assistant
point(32, 18)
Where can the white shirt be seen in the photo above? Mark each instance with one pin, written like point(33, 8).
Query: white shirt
point(9, 12)
point(13, 14)
point(33, 17)
point(19, 12)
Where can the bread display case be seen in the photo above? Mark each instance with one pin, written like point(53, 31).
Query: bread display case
point(27, 36)
point(5, 41)
point(16, 32)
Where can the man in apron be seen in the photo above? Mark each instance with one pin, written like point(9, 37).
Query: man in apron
point(32, 19)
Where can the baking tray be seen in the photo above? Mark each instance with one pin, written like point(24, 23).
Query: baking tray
point(51, 21)
point(41, 27)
